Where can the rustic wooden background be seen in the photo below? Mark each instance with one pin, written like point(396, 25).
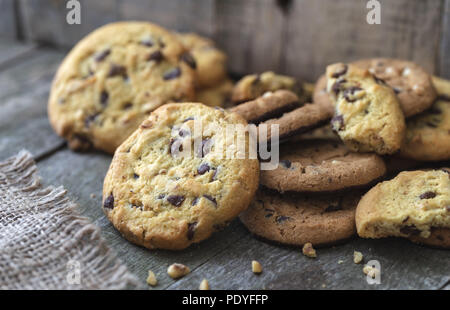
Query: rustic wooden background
point(297, 37)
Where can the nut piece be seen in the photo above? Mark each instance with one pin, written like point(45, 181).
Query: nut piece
point(177, 271)
point(357, 257)
point(308, 250)
point(370, 271)
point(151, 279)
point(256, 267)
point(204, 285)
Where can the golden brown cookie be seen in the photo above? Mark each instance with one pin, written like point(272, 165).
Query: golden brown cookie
point(170, 185)
point(296, 219)
point(215, 96)
point(210, 61)
point(322, 166)
point(367, 115)
point(414, 205)
point(112, 79)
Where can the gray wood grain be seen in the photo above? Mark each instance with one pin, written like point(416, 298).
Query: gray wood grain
point(191, 15)
point(444, 59)
point(403, 266)
point(24, 91)
point(322, 32)
point(11, 52)
point(8, 19)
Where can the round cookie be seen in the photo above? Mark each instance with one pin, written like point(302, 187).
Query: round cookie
point(322, 166)
point(367, 115)
point(428, 134)
point(270, 105)
point(295, 219)
point(215, 96)
point(112, 79)
point(298, 121)
point(210, 61)
point(253, 86)
point(170, 185)
point(409, 81)
point(412, 205)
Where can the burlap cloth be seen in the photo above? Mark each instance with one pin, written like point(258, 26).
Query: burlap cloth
point(44, 242)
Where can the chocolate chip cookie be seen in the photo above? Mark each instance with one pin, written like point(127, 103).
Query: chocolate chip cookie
point(297, 219)
point(253, 86)
point(428, 134)
point(414, 205)
point(367, 115)
point(410, 82)
point(270, 105)
point(170, 185)
point(210, 61)
point(215, 96)
point(113, 78)
point(322, 166)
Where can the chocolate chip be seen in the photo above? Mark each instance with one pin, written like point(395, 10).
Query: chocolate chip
point(397, 90)
point(194, 201)
point(213, 176)
point(127, 106)
point(161, 43)
point(102, 55)
point(175, 146)
point(104, 96)
point(210, 198)
point(147, 42)
point(409, 230)
point(443, 98)
point(337, 86)
point(286, 163)
point(190, 118)
point(187, 58)
point(203, 168)
point(191, 230)
point(379, 81)
point(427, 195)
point(183, 133)
point(339, 121)
point(340, 72)
point(117, 70)
point(268, 215)
point(351, 91)
point(161, 196)
point(281, 218)
point(175, 200)
point(333, 208)
point(90, 119)
point(172, 74)
point(109, 202)
point(135, 176)
point(156, 56)
point(204, 149)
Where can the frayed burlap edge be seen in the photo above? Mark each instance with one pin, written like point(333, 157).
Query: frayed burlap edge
point(45, 243)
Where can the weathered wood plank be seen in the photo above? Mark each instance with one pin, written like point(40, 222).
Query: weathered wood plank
point(82, 175)
point(24, 93)
point(8, 19)
point(251, 33)
point(12, 51)
point(444, 57)
point(322, 32)
point(187, 15)
point(45, 20)
point(287, 268)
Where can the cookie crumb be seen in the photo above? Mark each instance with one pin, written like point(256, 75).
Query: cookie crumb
point(357, 257)
point(177, 271)
point(309, 251)
point(256, 267)
point(151, 279)
point(370, 271)
point(204, 285)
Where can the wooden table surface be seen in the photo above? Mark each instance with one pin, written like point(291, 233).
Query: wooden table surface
point(225, 259)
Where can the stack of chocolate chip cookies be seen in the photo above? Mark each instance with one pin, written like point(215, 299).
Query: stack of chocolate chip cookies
point(140, 92)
